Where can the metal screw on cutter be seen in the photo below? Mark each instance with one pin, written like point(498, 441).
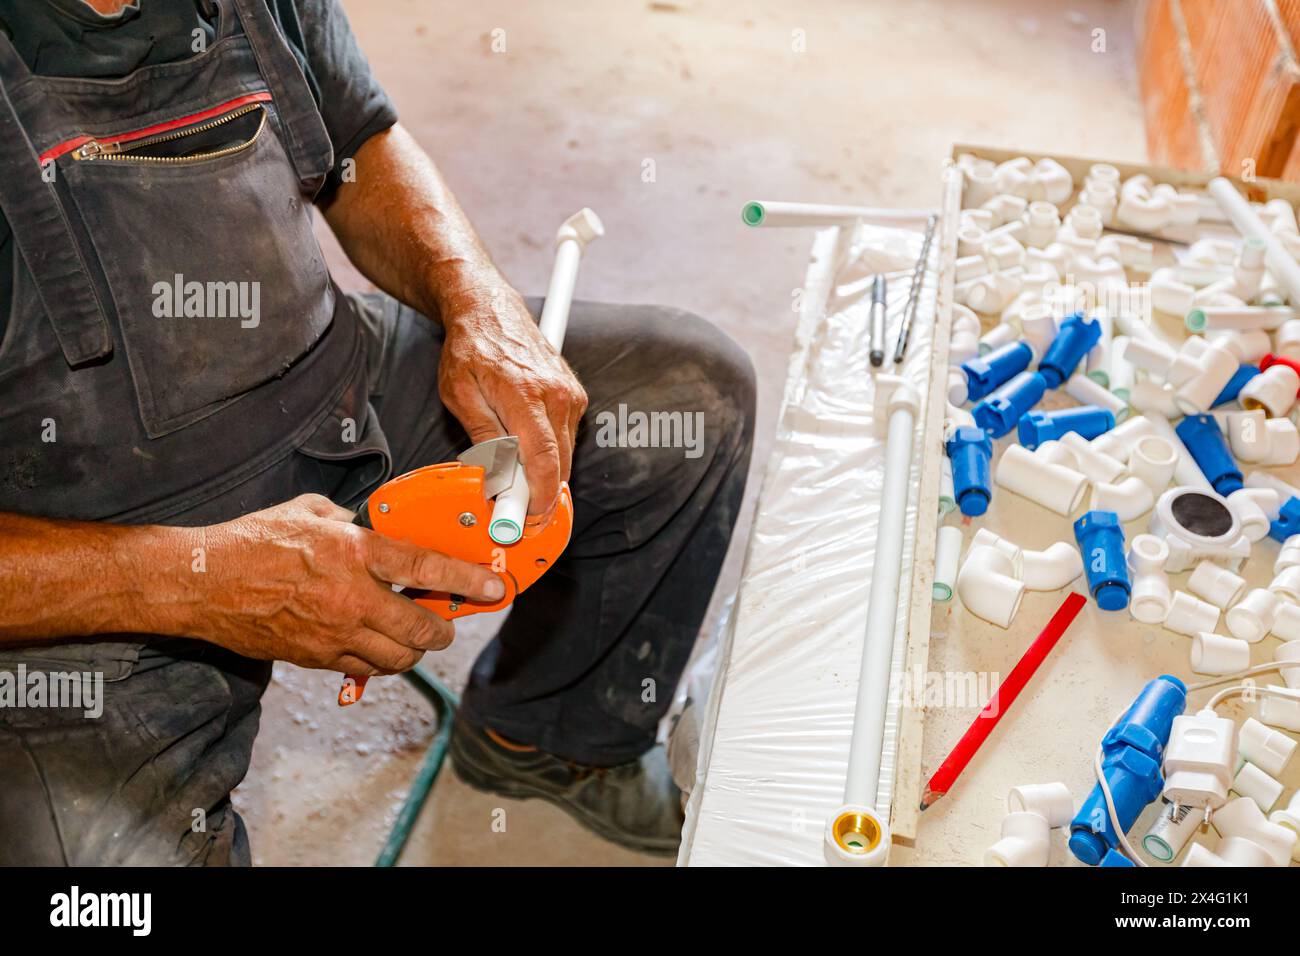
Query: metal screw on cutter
point(456, 601)
point(467, 519)
point(383, 508)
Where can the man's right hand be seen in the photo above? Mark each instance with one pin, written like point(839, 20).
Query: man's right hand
point(299, 582)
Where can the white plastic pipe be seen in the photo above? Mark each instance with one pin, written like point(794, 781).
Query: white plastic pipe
point(947, 556)
point(863, 777)
point(773, 214)
point(1278, 260)
point(510, 509)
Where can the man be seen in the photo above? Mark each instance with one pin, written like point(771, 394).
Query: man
point(176, 476)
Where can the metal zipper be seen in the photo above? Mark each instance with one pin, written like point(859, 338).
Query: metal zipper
point(118, 151)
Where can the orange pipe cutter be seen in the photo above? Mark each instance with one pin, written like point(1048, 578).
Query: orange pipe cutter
point(448, 508)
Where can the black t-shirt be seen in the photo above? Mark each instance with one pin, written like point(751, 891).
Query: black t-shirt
point(69, 38)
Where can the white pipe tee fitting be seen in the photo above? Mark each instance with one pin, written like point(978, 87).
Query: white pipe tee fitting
point(1241, 819)
point(1290, 818)
point(1055, 487)
point(1051, 801)
point(1150, 597)
point(1025, 841)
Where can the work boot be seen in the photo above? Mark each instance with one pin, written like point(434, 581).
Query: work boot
point(634, 804)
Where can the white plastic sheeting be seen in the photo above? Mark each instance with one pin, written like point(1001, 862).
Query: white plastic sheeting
point(775, 740)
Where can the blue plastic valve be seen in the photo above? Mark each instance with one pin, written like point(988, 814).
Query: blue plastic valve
point(1288, 520)
point(1116, 858)
point(987, 372)
point(971, 453)
point(999, 413)
point(1101, 539)
point(1235, 384)
point(1209, 449)
point(1088, 420)
point(1131, 753)
point(1073, 341)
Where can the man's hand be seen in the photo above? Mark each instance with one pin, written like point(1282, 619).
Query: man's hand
point(298, 582)
point(401, 226)
point(498, 376)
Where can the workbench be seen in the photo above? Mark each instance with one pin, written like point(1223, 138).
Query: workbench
point(776, 731)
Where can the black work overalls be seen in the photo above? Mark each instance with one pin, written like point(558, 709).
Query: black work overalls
point(124, 399)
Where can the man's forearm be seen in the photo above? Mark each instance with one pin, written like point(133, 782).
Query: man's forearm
point(401, 226)
point(62, 578)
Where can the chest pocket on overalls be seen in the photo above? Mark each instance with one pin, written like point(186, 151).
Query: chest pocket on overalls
point(205, 240)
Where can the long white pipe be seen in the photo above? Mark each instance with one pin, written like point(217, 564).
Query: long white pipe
point(863, 778)
point(771, 214)
point(510, 509)
point(1280, 262)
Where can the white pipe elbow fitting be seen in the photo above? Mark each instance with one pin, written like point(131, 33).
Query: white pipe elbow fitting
point(1273, 390)
point(1232, 851)
point(1055, 487)
point(1170, 294)
point(1051, 801)
point(1052, 181)
point(1251, 506)
point(1130, 498)
point(1006, 207)
point(1151, 355)
point(1144, 208)
point(1153, 460)
point(1053, 568)
point(980, 182)
point(1290, 818)
point(1261, 787)
point(1216, 655)
point(1119, 442)
point(1025, 841)
point(1215, 584)
point(1247, 434)
point(1249, 347)
point(1150, 597)
point(1269, 750)
point(989, 586)
point(1251, 618)
point(1190, 615)
point(947, 555)
point(1152, 398)
point(1215, 368)
point(991, 294)
point(1242, 819)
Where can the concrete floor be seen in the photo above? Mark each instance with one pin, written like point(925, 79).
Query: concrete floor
point(586, 96)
